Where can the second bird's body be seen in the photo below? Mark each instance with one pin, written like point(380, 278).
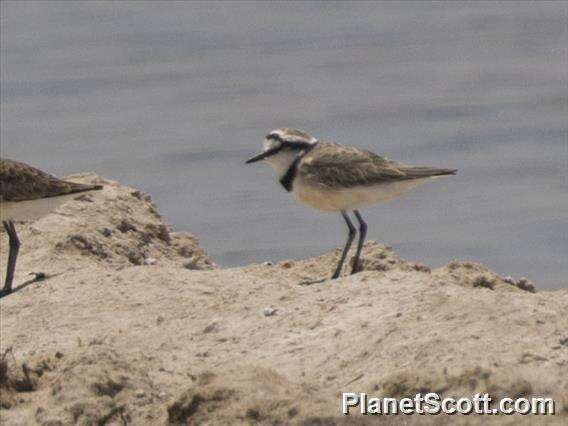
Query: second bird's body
point(26, 194)
point(332, 177)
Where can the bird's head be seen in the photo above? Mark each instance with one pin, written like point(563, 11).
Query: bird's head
point(282, 147)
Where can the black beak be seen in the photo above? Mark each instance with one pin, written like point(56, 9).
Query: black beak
point(262, 155)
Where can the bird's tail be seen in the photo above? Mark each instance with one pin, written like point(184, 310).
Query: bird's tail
point(414, 172)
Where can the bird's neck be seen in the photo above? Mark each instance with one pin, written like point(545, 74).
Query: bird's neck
point(281, 162)
point(288, 169)
point(287, 179)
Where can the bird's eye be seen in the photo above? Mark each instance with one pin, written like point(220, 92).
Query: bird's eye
point(274, 136)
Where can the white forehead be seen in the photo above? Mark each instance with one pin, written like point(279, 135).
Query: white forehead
point(271, 143)
point(293, 134)
point(279, 132)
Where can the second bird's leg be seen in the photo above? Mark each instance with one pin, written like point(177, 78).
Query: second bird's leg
point(362, 235)
point(350, 237)
point(12, 256)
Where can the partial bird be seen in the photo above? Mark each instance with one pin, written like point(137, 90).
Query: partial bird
point(26, 194)
point(335, 178)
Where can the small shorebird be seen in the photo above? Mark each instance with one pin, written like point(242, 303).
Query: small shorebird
point(27, 193)
point(331, 177)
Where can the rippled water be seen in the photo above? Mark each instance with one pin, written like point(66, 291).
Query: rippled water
point(173, 97)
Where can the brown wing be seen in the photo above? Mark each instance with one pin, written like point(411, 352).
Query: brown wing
point(336, 166)
point(19, 182)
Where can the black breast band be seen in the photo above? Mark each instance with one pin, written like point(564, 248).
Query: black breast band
point(287, 180)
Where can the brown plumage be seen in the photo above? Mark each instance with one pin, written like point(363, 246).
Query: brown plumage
point(21, 182)
point(336, 166)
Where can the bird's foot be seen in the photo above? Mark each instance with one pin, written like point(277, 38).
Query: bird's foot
point(355, 269)
point(311, 281)
point(38, 276)
point(5, 292)
point(357, 266)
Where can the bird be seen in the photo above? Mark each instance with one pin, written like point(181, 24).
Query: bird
point(26, 194)
point(336, 178)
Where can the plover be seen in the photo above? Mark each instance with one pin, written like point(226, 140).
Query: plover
point(332, 177)
point(27, 193)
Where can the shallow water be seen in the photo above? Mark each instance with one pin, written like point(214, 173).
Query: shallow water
point(173, 97)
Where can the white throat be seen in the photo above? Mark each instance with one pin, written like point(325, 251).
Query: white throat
point(282, 161)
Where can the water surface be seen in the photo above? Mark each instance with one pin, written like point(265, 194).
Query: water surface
point(172, 98)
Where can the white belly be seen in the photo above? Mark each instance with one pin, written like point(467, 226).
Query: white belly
point(32, 209)
point(323, 198)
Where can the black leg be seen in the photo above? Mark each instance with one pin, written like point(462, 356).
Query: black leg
point(12, 256)
point(347, 245)
point(362, 235)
